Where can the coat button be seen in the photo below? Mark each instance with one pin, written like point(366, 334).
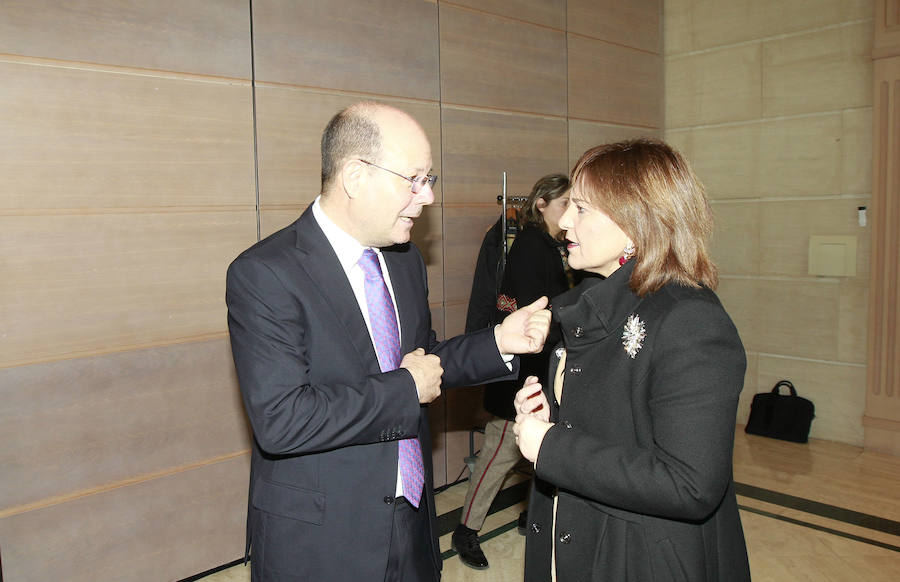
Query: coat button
point(536, 527)
point(565, 537)
point(388, 499)
point(560, 352)
point(578, 331)
point(575, 370)
point(568, 425)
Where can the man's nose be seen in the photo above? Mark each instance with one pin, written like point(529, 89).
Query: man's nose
point(425, 196)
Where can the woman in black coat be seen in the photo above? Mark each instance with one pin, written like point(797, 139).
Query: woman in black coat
point(632, 440)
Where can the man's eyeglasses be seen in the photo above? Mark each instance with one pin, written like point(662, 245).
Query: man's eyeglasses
point(416, 182)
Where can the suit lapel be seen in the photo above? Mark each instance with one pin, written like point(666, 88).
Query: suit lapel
point(326, 273)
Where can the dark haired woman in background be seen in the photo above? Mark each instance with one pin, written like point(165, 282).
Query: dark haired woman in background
point(632, 439)
point(535, 267)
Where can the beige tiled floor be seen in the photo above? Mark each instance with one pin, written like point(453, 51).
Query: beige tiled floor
point(785, 545)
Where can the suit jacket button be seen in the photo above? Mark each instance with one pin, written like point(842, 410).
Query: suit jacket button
point(575, 369)
point(565, 537)
point(536, 527)
point(388, 499)
point(578, 331)
point(567, 424)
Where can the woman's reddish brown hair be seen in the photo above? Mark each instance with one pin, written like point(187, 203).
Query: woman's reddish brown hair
point(652, 194)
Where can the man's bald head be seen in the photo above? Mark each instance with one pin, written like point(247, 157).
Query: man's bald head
point(352, 132)
point(358, 132)
point(373, 156)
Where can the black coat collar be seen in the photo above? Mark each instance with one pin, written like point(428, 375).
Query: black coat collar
point(596, 307)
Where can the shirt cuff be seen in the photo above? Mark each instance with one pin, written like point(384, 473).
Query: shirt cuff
point(507, 358)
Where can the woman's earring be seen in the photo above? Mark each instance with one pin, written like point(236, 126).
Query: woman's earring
point(627, 253)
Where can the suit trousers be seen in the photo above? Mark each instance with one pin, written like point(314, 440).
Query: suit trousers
point(410, 556)
point(498, 456)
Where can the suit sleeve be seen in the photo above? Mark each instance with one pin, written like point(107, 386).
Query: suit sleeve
point(467, 359)
point(695, 378)
point(289, 413)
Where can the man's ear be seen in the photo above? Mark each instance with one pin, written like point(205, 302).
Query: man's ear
point(353, 177)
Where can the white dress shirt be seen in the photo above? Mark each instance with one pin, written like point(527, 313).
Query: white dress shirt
point(349, 251)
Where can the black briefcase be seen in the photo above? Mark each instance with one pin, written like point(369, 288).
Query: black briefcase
point(781, 416)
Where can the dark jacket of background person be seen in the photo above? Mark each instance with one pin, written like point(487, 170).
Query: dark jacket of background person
point(534, 268)
point(654, 433)
point(482, 310)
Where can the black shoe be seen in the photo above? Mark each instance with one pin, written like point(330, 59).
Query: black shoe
point(465, 542)
point(522, 524)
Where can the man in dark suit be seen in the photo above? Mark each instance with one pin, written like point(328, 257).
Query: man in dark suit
point(319, 314)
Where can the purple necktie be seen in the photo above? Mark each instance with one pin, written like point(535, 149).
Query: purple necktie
point(386, 336)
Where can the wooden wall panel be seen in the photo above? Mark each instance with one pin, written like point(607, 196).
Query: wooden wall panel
point(882, 417)
point(550, 13)
point(167, 528)
point(290, 122)
point(80, 284)
point(637, 24)
point(210, 37)
point(480, 145)
point(274, 219)
point(80, 424)
point(75, 138)
point(464, 229)
point(583, 135)
point(128, 155)
point(496, 62)
point(616, 84)
point(464, 406)
point(887, 29)
point(428, 236)
point(383, 47)
point(465, 411)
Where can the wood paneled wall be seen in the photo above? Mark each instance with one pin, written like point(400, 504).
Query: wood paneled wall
point(141, 143)
point(882, 417)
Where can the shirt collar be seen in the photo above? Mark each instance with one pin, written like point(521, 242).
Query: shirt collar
point(347, 248)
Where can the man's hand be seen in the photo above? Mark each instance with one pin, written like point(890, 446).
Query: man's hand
point(426, 371)
point(524, 330)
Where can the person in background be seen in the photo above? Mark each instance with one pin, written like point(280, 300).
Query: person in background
point(535, 267)
point(336, 359)
point(632, 438)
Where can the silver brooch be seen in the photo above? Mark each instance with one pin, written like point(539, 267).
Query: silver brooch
point(633, 335)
